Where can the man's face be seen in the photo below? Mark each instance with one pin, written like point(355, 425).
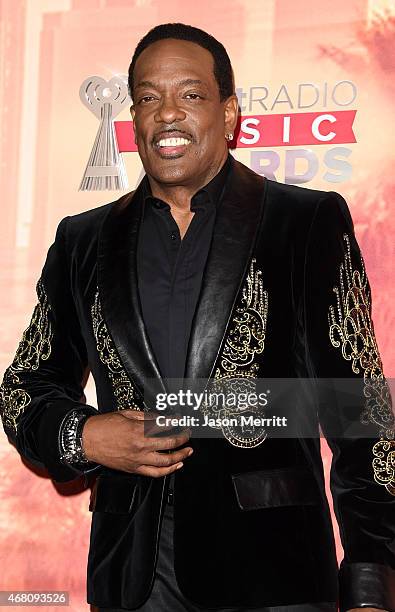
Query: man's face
point(179, 121)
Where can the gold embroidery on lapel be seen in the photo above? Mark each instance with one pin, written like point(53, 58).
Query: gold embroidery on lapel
point(246, 337)
point(123, 388)
point(34, 346)
point(351, 329)
point(238, 369)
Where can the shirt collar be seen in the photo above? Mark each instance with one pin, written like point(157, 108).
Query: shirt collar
point(209, 194)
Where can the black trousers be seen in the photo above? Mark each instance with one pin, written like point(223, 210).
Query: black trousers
point(165, 595)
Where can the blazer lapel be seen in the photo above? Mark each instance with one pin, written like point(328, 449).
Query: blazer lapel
point(118, 291)
point(235, 231)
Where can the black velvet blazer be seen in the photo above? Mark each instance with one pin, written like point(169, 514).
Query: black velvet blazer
point(252, 524)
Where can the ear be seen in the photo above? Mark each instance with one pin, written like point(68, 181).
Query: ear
point(132, 113)
point(231, 108)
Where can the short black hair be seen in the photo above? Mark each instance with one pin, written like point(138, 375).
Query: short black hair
point(223, 72)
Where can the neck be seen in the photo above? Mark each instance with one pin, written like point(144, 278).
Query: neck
point(179, 196)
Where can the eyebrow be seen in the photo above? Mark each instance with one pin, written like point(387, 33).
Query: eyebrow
point(181, 83)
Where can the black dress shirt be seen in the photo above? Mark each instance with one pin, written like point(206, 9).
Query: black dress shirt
point(170, 270)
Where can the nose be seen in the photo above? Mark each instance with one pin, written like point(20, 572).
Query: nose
point(169, 111)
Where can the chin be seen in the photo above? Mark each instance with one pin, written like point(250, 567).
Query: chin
point(171, 175)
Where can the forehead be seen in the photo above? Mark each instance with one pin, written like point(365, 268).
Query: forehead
point(174, 58)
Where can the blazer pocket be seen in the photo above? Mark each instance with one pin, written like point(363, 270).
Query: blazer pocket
point(115, 494)
point(276, 488)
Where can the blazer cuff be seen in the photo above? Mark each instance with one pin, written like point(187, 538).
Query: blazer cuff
point(366, 585)
point(48, 438)
point(70, 440)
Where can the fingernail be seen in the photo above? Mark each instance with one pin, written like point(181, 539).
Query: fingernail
point(179, 466)
point(190, 452)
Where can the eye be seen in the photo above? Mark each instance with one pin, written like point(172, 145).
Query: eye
point(146, 99)
point(193, 96)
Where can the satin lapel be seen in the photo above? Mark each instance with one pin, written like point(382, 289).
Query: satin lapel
point(236, 228)
point(118, 291)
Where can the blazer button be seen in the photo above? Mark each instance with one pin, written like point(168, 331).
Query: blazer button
point(170, 497)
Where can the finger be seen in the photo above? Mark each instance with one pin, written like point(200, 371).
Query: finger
point(148, 419)
point(152, 429)
point(168, 442)
point(137, 415)
point(157, 472)
point(167, 459)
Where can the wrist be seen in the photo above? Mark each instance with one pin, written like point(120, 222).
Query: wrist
point(71, 447)
point(86, 443)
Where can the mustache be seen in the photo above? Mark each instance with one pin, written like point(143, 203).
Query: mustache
point(172, 130)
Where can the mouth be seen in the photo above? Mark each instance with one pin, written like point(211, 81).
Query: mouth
point(171, 146)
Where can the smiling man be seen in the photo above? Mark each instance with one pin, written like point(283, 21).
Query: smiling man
point(208, 271)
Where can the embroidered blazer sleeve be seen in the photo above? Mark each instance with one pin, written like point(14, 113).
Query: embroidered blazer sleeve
point(341, 344)
point(44, 383)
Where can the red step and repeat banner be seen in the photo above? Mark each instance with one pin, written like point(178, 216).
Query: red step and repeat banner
point(315, 82)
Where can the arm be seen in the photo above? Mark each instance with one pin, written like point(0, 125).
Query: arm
point(341, 344)
point(44, 383)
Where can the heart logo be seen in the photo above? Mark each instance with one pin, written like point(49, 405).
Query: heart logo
point(95, 92)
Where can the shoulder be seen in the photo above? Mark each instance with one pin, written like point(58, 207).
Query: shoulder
point(86, 225)
point(300, 210)
point(281, 193)
point(294, 201)
point(311, 209)
point(93, 217)
point(294, 193)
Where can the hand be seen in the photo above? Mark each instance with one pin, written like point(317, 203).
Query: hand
point(117, 440)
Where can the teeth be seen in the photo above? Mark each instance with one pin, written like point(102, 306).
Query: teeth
point(173, 142)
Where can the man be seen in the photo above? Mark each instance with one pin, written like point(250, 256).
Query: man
point(207, 271)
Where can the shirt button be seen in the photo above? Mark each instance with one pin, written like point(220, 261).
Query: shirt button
point(173, 236)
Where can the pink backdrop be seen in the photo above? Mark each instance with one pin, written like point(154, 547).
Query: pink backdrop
point(297, 57)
